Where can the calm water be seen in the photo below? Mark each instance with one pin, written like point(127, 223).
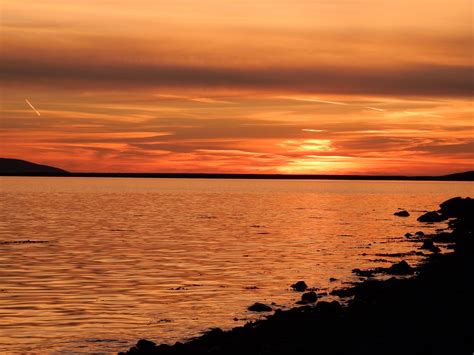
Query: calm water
point(166, 259)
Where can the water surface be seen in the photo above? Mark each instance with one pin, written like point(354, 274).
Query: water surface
point(121, 259)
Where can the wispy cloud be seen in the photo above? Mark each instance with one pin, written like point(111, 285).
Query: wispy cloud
point(313, 130)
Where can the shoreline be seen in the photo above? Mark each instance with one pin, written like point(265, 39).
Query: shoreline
point(429, 313)
point(468, 176)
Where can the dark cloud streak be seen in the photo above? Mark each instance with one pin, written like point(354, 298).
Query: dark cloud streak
point(433, 80)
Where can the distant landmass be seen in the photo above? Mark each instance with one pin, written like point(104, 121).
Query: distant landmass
point(467, 175)
point(16, 167)
point(20, 167)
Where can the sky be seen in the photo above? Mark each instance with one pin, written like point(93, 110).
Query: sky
point(243, 86)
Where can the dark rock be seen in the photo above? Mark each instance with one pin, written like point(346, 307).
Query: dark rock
point(402, 213)
point(408, 235)
point(458, 207)
point(432, 217)
point(419, 234)
point(299, 286)
point(259, 307)
point(309, 297)
point(428, 245)
point(144, 344)
point(332, 279)
point(401, 268)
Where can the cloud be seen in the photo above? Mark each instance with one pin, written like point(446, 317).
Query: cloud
point(313, 130)
point(449, 148)
point(419, 79)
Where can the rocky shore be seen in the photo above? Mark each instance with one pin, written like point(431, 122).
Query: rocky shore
point(423, 310)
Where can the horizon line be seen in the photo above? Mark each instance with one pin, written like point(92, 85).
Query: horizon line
point(462, 176)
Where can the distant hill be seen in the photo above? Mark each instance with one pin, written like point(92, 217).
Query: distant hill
point(466, 176)
point(20, 167)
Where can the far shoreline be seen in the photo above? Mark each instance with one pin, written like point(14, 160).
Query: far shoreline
point(215, 176)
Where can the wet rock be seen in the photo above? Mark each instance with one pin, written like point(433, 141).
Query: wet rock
point(308, 297)
point(145, 345)
point(458, 207)
point(299, 286)
point(432, 217)
point(429, 245)
point(402, 213)
point(259, 307)
point(401, 268)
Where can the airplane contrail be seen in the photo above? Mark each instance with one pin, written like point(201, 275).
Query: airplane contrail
point(317, 100)
point(311, 99)
point(32, 107)
point(375, 109)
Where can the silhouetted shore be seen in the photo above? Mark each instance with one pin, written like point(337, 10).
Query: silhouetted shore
point(468, 176)
point(429, 313)
point(17, 167)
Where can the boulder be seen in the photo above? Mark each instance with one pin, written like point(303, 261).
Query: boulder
point(259, 307)
point(144, 344)
point(458, 207)
point(432, 217)
point(429, 245)
point(309, 297)
point(401, 268)
point(419, 234)
point(402, 213)
point(299, 286)
point(408, 235)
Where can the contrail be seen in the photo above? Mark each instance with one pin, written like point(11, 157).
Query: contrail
point(32, 107)
point(375, 109)
point(317, 100)
point(311, 99)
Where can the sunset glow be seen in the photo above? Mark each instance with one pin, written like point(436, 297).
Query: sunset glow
point(363, 86)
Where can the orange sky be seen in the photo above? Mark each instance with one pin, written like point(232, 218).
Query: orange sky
point(290, 86)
